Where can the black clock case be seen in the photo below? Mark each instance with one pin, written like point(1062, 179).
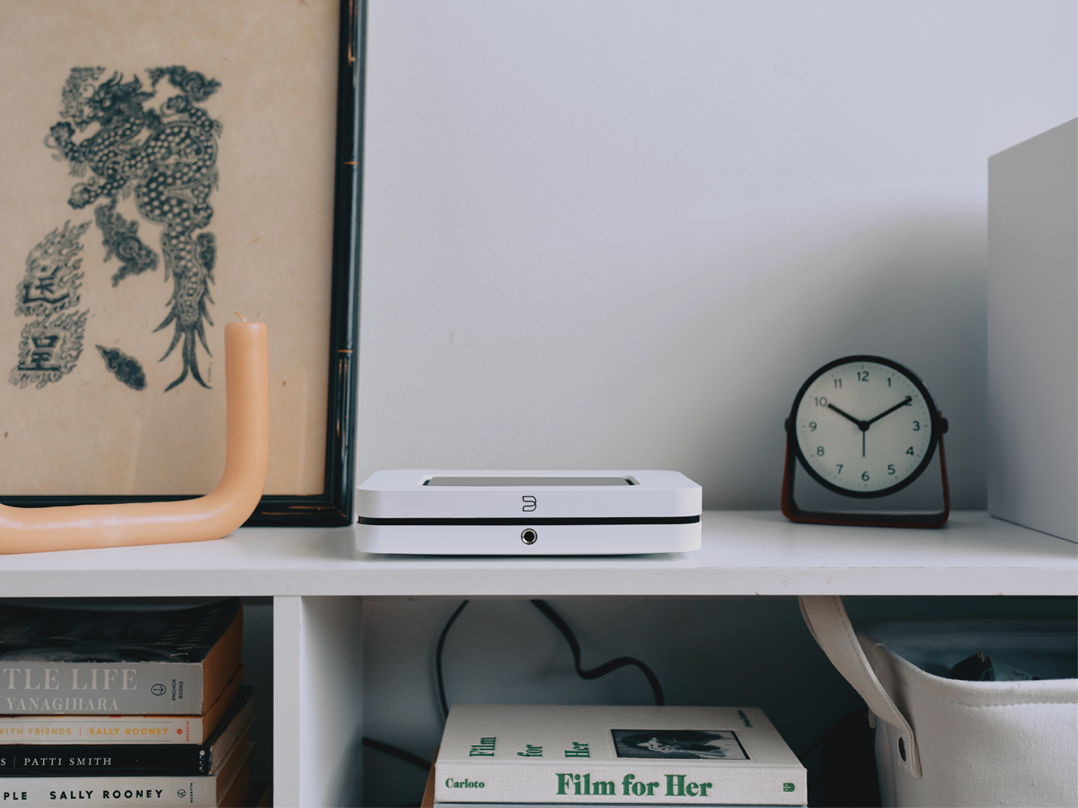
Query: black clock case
point(794, 458)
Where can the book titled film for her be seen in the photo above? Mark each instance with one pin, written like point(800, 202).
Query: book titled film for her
point(140, 661)
point(586, 754)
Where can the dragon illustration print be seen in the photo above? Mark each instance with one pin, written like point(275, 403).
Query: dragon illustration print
point(165, 157)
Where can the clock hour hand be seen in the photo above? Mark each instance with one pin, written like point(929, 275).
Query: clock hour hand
point(897, 406)
point(862, 425)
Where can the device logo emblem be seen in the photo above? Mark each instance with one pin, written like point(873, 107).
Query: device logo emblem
point(529, 504)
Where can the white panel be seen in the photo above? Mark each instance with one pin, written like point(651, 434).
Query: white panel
point(1033, 332)
point(331, 701)
point(287, 709)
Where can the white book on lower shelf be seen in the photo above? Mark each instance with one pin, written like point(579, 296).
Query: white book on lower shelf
point(636, 755)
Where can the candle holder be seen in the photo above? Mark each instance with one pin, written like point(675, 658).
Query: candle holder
point(213, 516)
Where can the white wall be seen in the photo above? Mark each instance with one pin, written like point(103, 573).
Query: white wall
point(620, 234)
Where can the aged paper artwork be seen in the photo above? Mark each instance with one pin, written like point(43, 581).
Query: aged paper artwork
point(164, 167)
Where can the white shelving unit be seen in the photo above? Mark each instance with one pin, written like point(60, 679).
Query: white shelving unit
point(318, 581)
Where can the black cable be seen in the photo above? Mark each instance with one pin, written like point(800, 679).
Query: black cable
point(574, 646)
point(812, 748)
point(378, 746)
point(438, 658)
point(602, 670)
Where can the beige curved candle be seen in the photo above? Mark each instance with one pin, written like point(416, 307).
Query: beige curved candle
point(213, 516)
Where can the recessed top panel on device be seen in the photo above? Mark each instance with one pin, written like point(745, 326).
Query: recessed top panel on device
point(527, 482)
point(455, 494)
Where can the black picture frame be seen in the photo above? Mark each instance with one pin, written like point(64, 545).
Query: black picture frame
point(333, 507)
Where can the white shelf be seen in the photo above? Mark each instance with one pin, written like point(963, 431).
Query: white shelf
point(744, 553)
point(318, 579)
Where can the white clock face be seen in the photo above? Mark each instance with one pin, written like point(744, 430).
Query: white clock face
point(863, 427)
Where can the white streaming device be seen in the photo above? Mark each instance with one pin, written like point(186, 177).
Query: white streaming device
point(440, 512)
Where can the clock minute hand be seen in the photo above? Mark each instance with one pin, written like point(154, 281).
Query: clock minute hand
point(897, 406)
point(862, 425)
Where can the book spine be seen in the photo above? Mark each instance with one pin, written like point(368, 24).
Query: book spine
point(90, 688)
point(109, 730)
point(92, 792)
point(621, 782)
point(72, 760)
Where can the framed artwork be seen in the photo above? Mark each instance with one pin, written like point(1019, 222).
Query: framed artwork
point(165, 167)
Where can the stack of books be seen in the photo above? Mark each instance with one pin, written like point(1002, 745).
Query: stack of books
point(541, 755)
point(133, 706)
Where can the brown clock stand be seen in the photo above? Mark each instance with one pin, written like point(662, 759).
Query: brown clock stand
point(792, 512)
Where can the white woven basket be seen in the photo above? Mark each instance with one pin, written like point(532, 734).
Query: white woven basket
point(944, 742)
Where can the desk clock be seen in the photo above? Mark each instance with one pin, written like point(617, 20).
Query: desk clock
point(863, 427)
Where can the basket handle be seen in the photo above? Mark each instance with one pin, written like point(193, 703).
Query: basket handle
point(826, 618)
